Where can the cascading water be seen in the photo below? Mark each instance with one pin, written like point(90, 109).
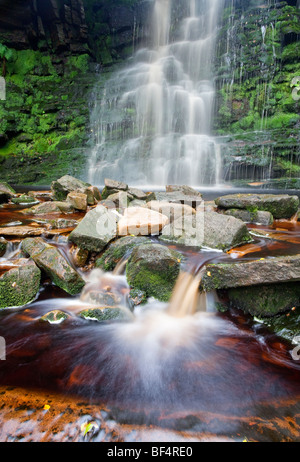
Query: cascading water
point(152, 125)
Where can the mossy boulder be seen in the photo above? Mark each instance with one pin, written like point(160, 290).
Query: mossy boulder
point(279, 205)
point(118, 250)
point(19, 285)
point(154, 269)
point(66, 184)
point(49, 259)
point(265, 300)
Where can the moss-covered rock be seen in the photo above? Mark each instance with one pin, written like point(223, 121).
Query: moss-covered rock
point(118, 250)
point(19, 285)
point(66, 184)
point(55, 317)
point(3, 246)
point(266, 300)
point(154, 269)
point(54, 264)
point(279, 205)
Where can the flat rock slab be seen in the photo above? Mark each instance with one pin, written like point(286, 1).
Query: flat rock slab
point(140, 221)
point(96, 229)
point(21, 231)
point(49, 207)
point(280, 206)
point(180, 198)
point(54, 264)
point(250, 273)
point(20, 284)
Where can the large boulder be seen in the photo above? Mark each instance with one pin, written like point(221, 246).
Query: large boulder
point(153, 269)
point(119, 249)
point(20, 284)
point(141, 221)
point(280, 205)
point(96, 230)
point(207, 229)
point(64, 185)
point(49, 259)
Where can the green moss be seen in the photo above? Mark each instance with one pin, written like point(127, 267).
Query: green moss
point(268, 300)
point(19, 286)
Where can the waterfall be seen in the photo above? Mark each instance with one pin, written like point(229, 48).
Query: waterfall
point(152, 125)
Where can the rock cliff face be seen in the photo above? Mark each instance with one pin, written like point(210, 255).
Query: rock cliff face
point(257, 62)
point(61, 24)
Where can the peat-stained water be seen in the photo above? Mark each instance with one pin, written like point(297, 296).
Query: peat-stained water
point(214, 374)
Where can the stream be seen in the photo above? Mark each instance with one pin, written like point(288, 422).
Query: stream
point(207, 376)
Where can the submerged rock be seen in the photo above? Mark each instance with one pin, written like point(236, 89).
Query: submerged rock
point(208, 229)
point(64, 185)
point(54, 264)
point(153, 269)
point(96, 230)
point(280, 206)
point(104, 313)
point(19, 285)
point(119, 249)
point(55, 317)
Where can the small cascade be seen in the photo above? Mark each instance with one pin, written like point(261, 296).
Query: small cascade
point(153, 123)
